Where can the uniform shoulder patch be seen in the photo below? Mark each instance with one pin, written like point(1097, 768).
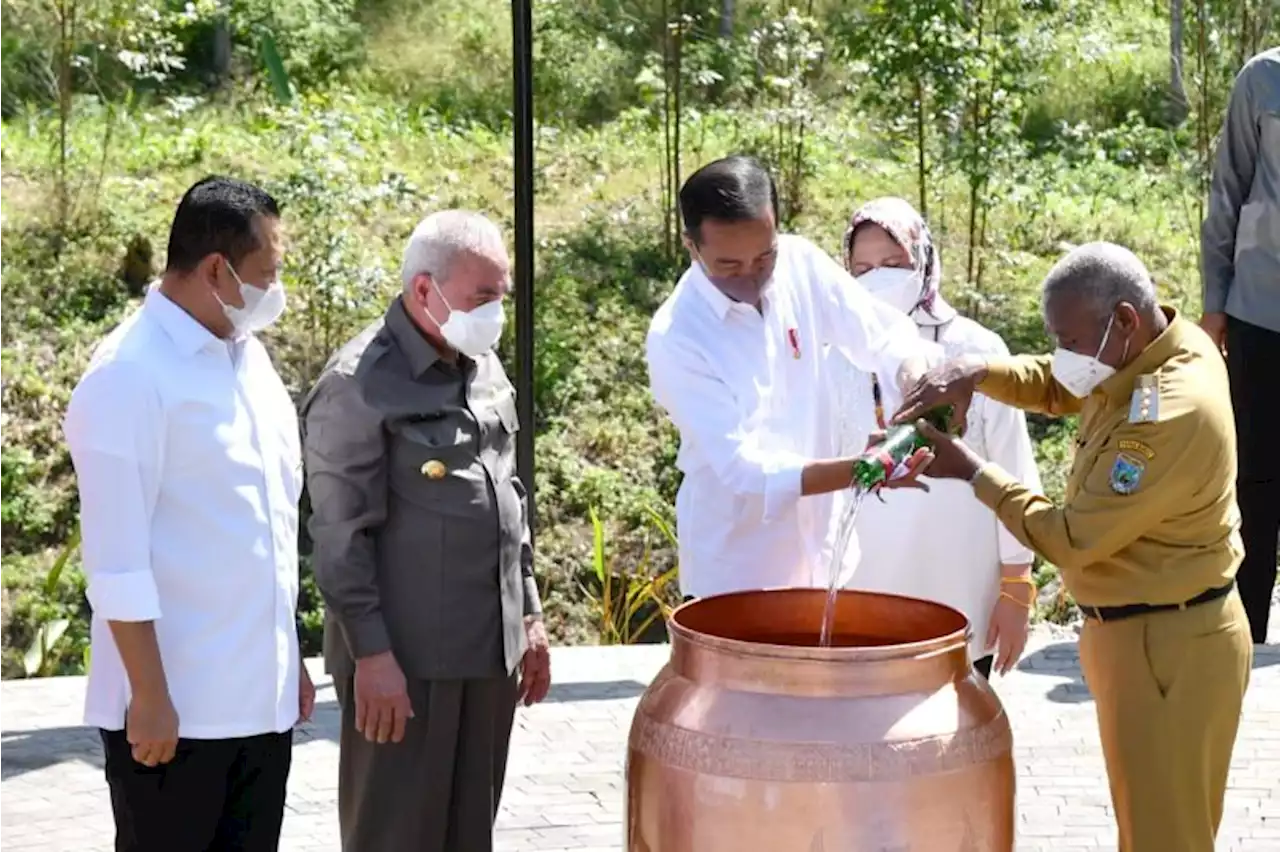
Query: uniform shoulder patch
point(1144, 403)
point(1126, 473)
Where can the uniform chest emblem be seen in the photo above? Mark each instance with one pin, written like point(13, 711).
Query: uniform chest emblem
point(1126, 473)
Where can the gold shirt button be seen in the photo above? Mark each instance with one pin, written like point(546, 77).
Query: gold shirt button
point(434, 469)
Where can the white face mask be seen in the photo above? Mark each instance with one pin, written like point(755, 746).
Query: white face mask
point(262, 306)
point(472, 332)
point(898, 288)
point(1080, 374)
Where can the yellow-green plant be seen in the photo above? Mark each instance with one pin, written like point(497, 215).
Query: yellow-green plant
point(39, 656)
point(627, 600)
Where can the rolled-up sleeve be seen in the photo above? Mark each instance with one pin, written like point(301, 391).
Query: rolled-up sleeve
point(703, 409)
point(345, 461)
point(1233, 171)
point(875, 337)
point(114, 428)
point(532, 599)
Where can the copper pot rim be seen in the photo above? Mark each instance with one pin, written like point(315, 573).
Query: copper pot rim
point(943, 643)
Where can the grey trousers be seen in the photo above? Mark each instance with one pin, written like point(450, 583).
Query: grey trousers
point(437, 790)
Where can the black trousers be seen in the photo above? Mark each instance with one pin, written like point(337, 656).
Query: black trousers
point(214, 796)
point(1253, 354)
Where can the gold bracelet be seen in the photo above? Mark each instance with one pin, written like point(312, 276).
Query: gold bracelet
point(1027, 580)
point(1022, 604)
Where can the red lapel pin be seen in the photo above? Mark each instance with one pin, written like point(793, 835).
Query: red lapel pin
point(793, 336)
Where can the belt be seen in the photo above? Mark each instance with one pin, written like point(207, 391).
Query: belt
point(1115, 613)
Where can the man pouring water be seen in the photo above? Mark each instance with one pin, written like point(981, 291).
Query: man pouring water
point(1147, 538)
point(734, 356)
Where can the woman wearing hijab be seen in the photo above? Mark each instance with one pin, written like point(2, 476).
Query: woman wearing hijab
point(943, 545)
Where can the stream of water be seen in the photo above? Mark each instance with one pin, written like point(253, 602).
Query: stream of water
point(838, 575)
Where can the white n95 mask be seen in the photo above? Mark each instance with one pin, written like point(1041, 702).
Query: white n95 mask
point(1081, 374)
point(898, 288)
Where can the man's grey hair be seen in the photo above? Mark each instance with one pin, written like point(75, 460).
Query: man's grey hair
point(1102, 275)
point(443, 237)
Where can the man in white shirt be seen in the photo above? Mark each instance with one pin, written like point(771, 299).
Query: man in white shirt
point(735, 358)
point(185, 444)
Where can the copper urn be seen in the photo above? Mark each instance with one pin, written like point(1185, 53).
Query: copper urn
point(753, 738)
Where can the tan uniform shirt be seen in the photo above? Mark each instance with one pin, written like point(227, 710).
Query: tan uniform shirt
point(1150, 512)
point(421, 537)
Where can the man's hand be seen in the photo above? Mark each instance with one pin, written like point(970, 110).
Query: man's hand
point(1215, 325)
point(1010, 620)
point(535, 667)
point(151, 726)
point(382, 699)
point(911, 371)
point(916, 465)
point(952, 382)
point(306, 693)
point(952, 458)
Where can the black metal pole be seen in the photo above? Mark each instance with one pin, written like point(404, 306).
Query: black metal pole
point(522, 56)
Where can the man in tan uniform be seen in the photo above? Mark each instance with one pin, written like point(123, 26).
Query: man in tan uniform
point(1147, 539)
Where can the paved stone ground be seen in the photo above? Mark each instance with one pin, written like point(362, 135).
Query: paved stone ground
point(565, 785)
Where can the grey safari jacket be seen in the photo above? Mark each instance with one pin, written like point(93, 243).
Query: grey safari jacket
point(1240, 237)
point(422, 541)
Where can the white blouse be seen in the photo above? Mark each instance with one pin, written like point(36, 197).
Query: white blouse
point(943, 545)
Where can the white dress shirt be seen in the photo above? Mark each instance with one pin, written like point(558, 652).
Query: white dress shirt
point(187, 454)
point(944, 545)
point(745, 388)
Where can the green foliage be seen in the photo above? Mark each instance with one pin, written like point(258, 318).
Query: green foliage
point(315, 39)
point(787, 52)
point(452, 57)
point(632, 601)
point(1047, 132)
point(1115, 73)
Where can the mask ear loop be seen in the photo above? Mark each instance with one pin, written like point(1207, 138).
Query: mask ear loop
point(427, 310)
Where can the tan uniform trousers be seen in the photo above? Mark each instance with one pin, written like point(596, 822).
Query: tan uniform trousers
point(1168, 687)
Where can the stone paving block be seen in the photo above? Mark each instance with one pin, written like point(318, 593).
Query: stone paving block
point(565, 788)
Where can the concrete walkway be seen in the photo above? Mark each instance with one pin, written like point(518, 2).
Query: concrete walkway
point(565, 786)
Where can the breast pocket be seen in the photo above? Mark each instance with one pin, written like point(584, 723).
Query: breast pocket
point(434, 465)
point(502, 443)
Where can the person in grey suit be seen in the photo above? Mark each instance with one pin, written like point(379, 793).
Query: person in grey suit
point(1240, 269)
point(433, 629)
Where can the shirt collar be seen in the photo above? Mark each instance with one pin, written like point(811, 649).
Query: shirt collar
point(1120, 386)
point(413, 343)
point(187, 334)
point(721, 304)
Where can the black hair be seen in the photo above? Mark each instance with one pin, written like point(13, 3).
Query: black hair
point(216, 216)
point(733, 189)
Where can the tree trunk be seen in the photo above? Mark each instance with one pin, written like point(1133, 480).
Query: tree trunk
point(726, 18)
point(1178, 104)
point(221, 51)
point(66, 45)
point(921, 169)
